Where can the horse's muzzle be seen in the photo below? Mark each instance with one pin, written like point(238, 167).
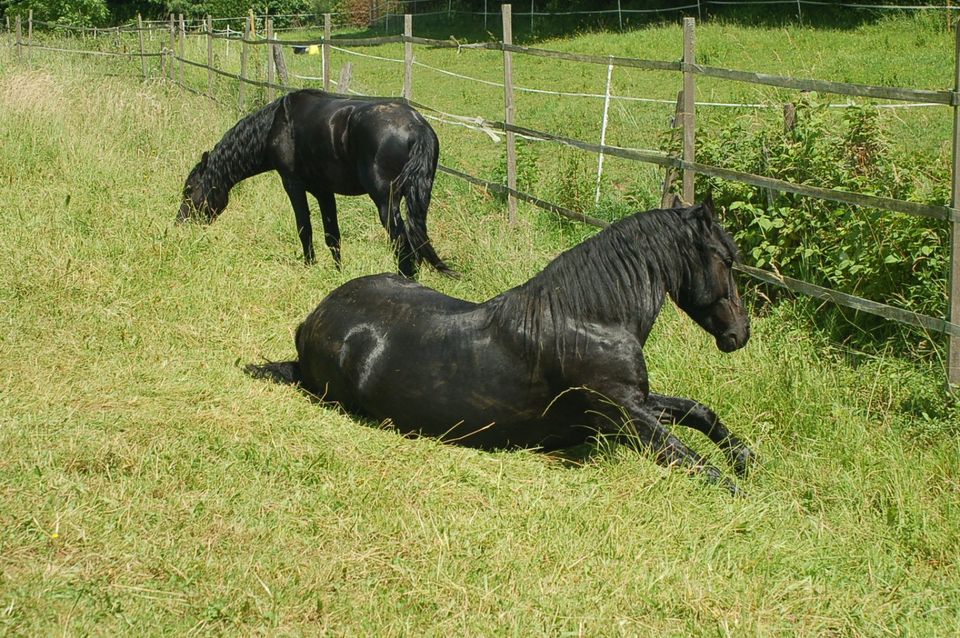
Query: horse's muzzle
point(733, 339)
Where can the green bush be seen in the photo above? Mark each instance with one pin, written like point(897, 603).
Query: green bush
point(892, 258)
point(89, 13)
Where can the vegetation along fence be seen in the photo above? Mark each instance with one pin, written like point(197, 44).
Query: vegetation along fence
point(171, 36)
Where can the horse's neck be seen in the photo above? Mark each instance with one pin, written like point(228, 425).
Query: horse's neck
point(242, 151)
point(232, 168)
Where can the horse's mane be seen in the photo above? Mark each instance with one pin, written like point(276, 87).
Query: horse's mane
point(240, 152)
point(619, 275)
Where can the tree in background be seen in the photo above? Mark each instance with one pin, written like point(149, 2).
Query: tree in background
point(74, 12)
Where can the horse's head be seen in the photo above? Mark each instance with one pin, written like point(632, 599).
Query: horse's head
point(199, 201)
point(709, 293)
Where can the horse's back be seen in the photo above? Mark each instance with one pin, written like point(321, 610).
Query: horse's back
point(356, 323)
point(337, 141)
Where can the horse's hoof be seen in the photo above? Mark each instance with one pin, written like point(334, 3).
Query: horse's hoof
point(744, 459)
point(451, 273)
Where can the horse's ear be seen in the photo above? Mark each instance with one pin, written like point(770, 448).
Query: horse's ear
point(677, 202)
point(203, 159)
point(708, 207)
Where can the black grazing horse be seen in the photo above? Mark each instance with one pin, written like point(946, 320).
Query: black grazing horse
point(547, 364)
point(324, 144)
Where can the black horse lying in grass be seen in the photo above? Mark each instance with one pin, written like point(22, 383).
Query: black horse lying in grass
point(547, 364)
point(326, 144)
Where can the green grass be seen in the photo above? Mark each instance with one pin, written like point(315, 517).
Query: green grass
point(147, 486)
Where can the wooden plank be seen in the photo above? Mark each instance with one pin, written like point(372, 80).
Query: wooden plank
point(662, 159)
point(953, 347)
point(539, 203)
point(824, 86)
point(407, 57)
point(325, 51)
point(508, 109)
point(872, 201)
point(819, 292)
point(850, 301)
point(637, 63)
point(689, 108)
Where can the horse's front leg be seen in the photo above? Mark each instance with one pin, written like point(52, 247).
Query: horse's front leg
point(694, 414)
point(331, 229)
point(643, 431)
point(298, 199)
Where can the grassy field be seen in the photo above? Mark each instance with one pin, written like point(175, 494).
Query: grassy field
point(148, 487)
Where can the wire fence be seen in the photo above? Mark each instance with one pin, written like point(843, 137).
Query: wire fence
point(172, 61)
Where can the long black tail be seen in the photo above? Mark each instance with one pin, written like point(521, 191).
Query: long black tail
point(415, 183)
point(287, 372)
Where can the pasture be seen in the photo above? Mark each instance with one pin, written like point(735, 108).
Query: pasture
point(147, 486)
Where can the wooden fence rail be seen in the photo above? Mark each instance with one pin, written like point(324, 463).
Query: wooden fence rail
point(689, 69)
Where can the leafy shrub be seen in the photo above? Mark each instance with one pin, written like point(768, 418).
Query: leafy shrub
point(892, 258)
point(89, 13)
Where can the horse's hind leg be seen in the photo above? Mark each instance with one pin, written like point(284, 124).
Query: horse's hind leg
point(331, 229)
point(298, 199)
point(393, 222)
point(694, 414)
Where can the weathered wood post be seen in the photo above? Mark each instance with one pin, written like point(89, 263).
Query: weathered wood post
point(676, 123)
point(268, 30)
point(243, 65)
point(180, 42)
point(19, 41)
point(143, 59)
point(209, 25)
point(173, 45)
point(953, 346)
point(407, 57)
point(30, 37)
point(689, 108)
point(506, 12)
point(325, 51)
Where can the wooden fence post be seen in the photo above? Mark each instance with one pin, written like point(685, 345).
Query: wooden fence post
point(670, 174)
point(326, 53)
point(506, 12)
point(209, 25)
point(407, 57)
point(243, 64)
point(953, 346)
point(268, 30)
point(19, 40)
point(183, 37)
point(173, 45)
point(689, 109)
point(30, 37)
point(143, 59)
